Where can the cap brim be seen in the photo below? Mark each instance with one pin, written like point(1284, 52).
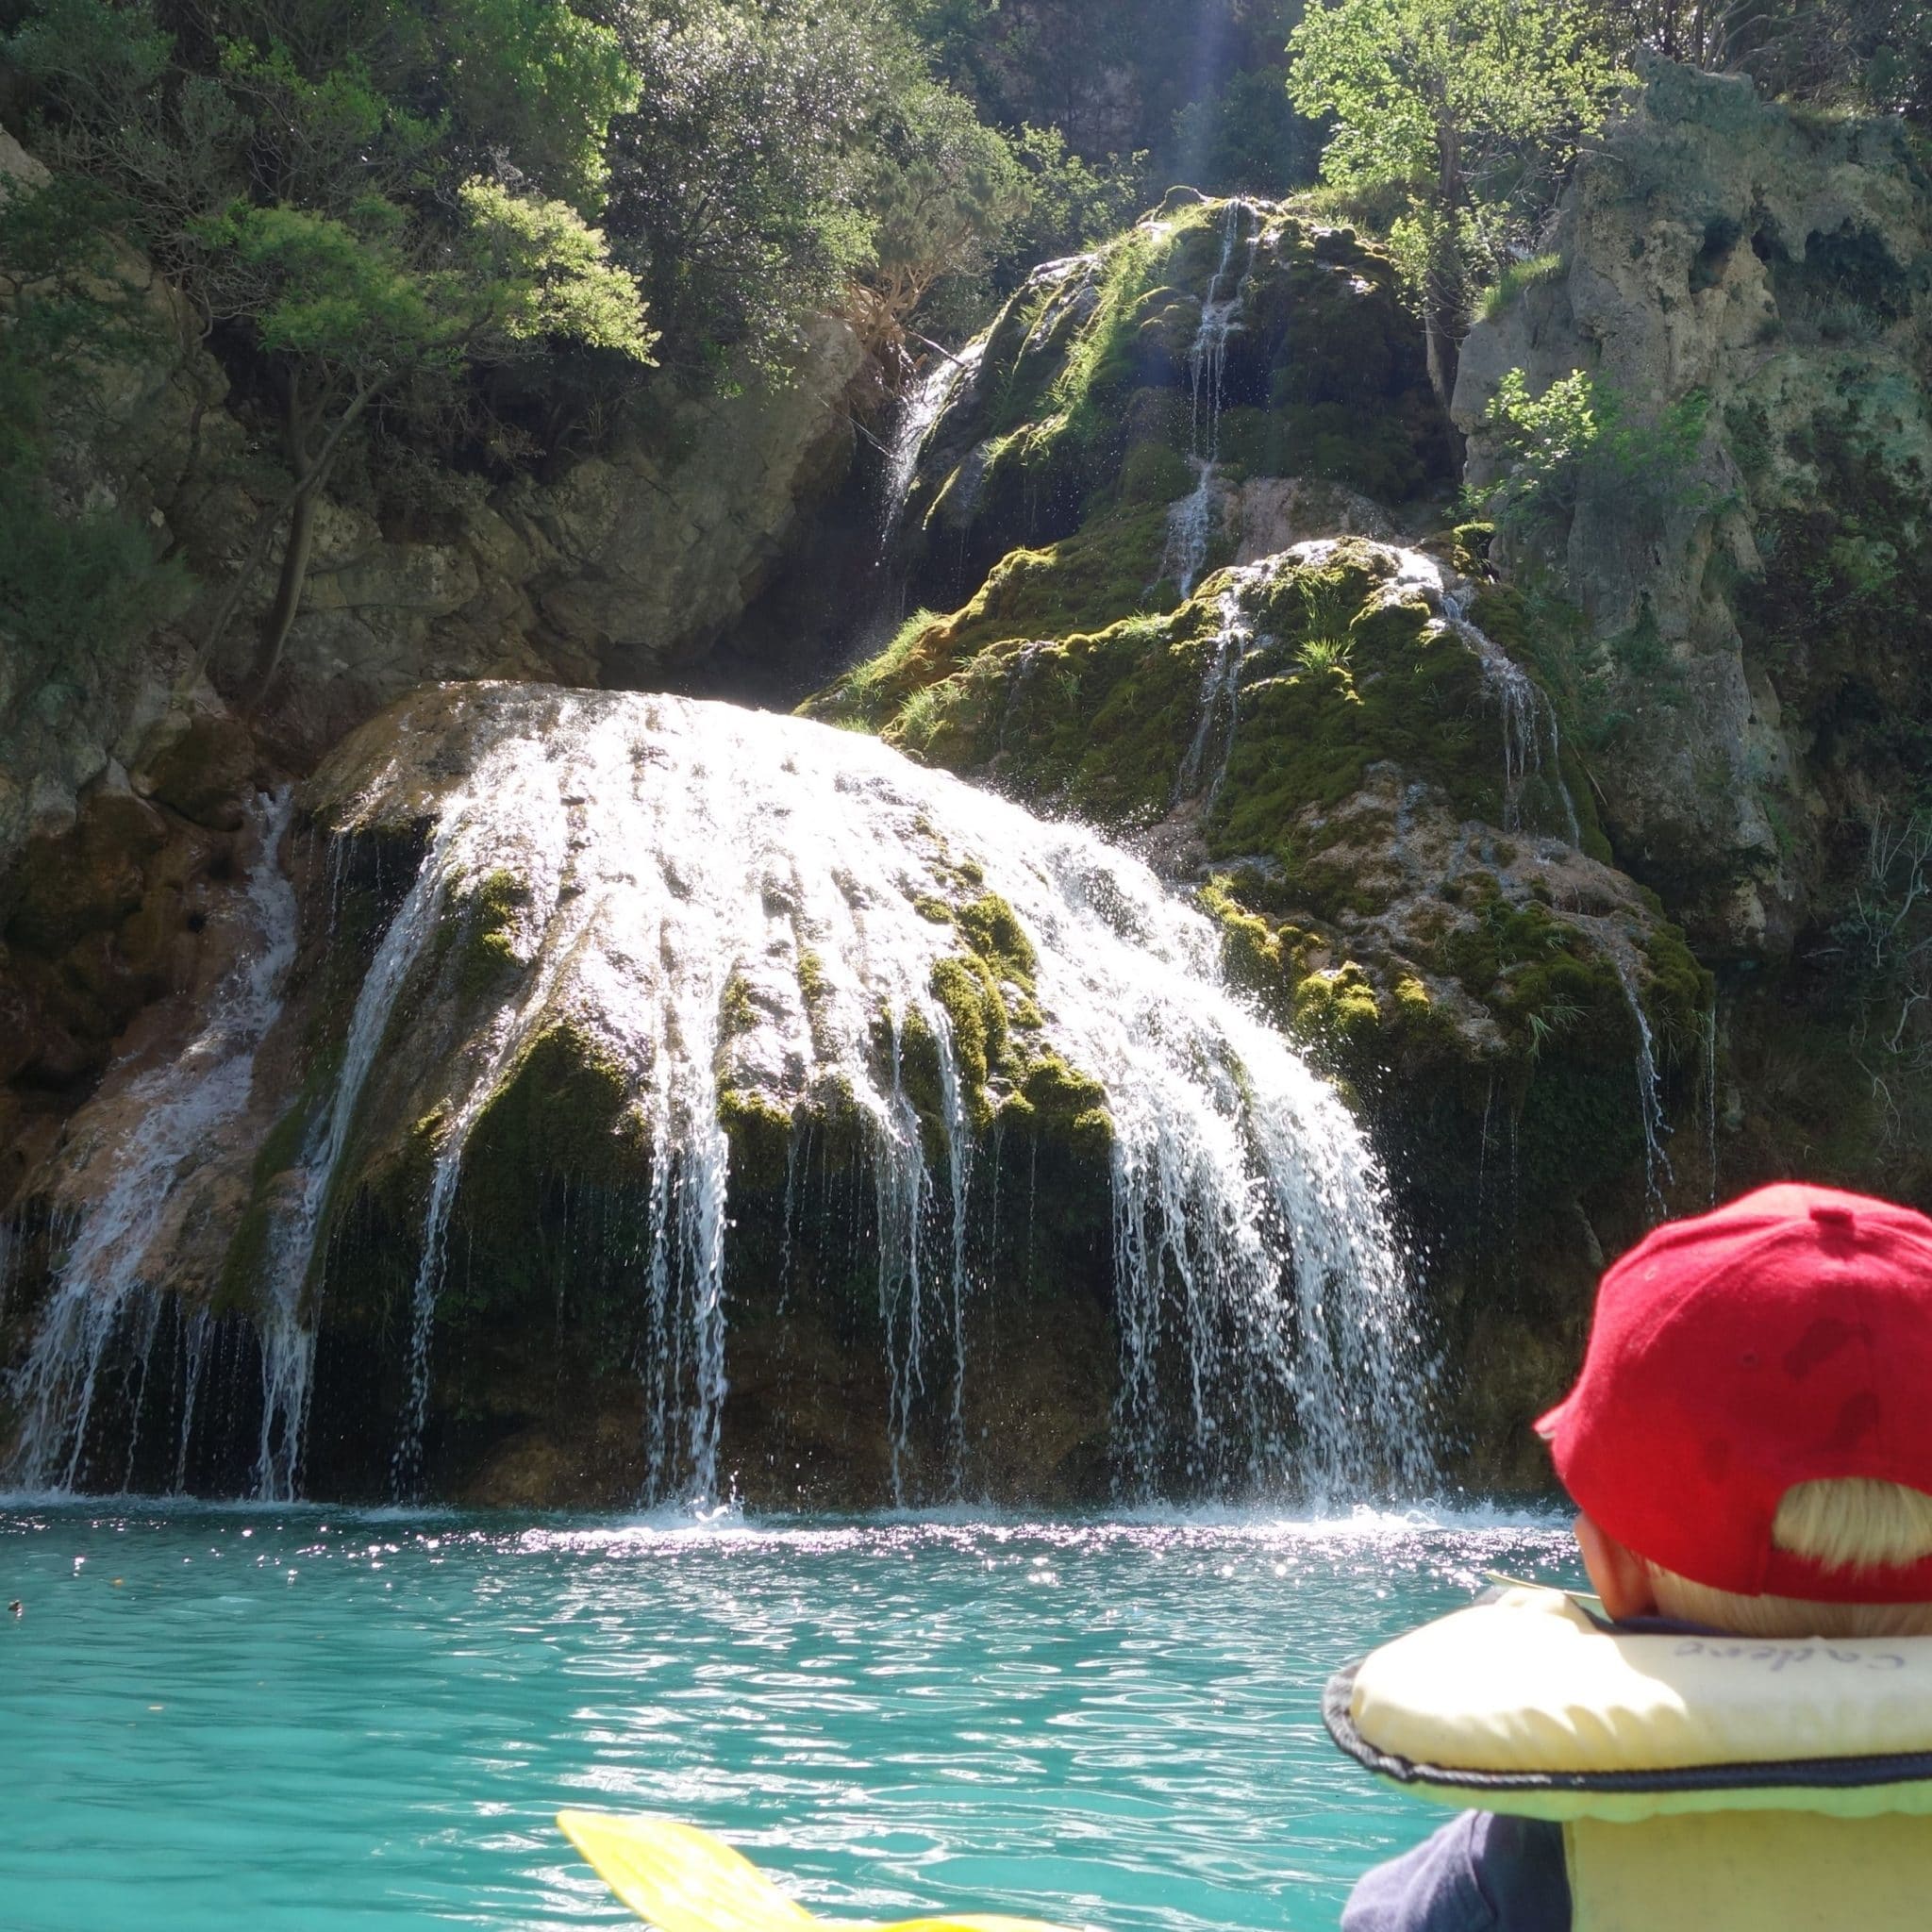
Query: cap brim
point(1551, 1421)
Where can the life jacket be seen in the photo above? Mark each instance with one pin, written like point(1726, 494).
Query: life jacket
point(1703, 1783)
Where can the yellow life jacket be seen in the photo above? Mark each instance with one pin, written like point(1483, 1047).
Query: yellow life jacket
point(1703, 1783)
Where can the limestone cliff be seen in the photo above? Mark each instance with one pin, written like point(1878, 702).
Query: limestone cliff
point(1754, 641)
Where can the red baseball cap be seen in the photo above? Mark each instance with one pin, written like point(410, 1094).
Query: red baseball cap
point(1785, 1337)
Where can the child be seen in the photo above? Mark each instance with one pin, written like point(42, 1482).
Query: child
point(1750, 1445)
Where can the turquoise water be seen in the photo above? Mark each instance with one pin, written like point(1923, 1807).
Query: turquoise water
point(322, 1721)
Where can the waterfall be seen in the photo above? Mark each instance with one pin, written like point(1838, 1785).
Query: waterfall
point(287, 1334)
point(1650, 1106)
point(1529, 721)
point(1190, 521)
point(931, 397)
point(748, 897)
point(101, 1292)
point(1221, 684)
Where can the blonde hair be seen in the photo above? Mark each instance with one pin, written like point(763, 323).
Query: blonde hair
point(1856, 1524)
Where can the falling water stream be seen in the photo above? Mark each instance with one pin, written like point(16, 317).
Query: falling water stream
point(106, 1278)
point(1190, 521)
point(928, 401)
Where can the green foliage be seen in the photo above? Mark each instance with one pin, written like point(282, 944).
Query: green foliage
point(1072, 202)
point(1247, 139)
point(1514, 281)
point(790, 157)
point(944, 192)
point(1579, 435)
point(309, 174)
point(79, 581)
point(540, 83)
point(1404, 77)
point(1468, 109)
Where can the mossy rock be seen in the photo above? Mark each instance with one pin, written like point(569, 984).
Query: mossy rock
point(1086, 397)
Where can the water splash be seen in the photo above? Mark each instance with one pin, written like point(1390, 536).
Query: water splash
point(286, 1326)
point(1266, 1333)
point(1190, 522)
point(102, 1294)
point(1220, 701)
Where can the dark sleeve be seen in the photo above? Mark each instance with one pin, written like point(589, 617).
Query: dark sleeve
point(1482, 1873)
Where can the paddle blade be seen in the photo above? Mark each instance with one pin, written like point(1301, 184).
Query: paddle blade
point(679, 1878)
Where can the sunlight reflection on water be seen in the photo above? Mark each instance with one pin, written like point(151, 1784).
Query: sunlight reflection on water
point(322, 1718)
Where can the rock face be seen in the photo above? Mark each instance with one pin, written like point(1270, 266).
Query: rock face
point(622, 569)
point(1752, 636)
point(126, 777)
point(1213, 344)
point(1774, 265)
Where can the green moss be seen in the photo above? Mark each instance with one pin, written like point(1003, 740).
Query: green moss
point(245, 1263)
point(1412, 1001)
point(561, 1107)
point(760, 1132)
point(869, 693)
point(1154, 473)
point(1266, 958)
point(1336, 1006)
point(1548, 637)
point(1516, 280)
point(1405, 690)
point(813, 985)
point(1067, 1105)
point(484, 914)
point(737, 1011)
point(994, 931)
point(1680, 992)
point(976, 1016)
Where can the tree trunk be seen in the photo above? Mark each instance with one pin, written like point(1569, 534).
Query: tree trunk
point(1443, 296)
point(289, 587)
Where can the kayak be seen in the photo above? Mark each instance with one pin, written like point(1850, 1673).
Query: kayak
point(681, 1879)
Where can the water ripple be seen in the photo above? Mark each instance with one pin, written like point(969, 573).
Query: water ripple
point(322, 1720)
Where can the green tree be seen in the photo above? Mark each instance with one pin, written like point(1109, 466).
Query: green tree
point(1466, 108)
point(76, 577)
point(790, 156)
point(734, 190)
point(370, 203)
point(1577, 434)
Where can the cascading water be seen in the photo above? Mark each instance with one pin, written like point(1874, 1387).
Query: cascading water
point(102, 1293)
point(750, 898)
point(1657, 1171)
point(1220, 703)
point(930, 400)
point(1530, 720)
point(1190, 521)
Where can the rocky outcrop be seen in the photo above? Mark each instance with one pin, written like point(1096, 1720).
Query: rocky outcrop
point(126, 777)
point(659, 1097)
point(1101, 391)
point(621, 571)
point(1743, 617)
point(1316, 733)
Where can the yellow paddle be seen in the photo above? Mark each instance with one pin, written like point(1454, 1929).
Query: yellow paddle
point(681, 1879)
